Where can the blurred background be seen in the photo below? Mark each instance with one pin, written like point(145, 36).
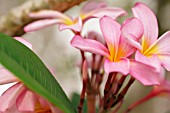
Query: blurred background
point(53, 47)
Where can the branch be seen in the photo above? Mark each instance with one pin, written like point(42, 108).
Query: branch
point(13, 22)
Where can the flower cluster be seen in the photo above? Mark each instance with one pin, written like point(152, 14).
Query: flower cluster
point(129, 49)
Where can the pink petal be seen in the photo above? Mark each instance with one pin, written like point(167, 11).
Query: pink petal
point(146, 74)
point(122, 66)
point(40, 24)
point(91, 6)
point(45, 104)
point(131, 40)
point(134, 27)
point(8, 98)
point(23, 41)
point(161, 46)
point(149, 21)
point(111, 33)
point(26, 101)
point(89, 45)
point(125, 49)
point(49, 14)
point(164, 87)
point(164, 59)
point(151, 60)
point(100, 9)
point(112, 12)
point(75, 26)
point(6, 76)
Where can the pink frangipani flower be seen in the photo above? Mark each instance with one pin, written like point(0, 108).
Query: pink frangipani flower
point(118, 49)
point(155, 52)
point(90, 10)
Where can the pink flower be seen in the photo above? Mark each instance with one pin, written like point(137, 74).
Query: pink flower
point(118, 49)
point(90, 10)
point(155, 52)
point(18, 98)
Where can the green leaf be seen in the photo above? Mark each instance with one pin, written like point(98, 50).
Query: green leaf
point(23, 63)
point(75, 101)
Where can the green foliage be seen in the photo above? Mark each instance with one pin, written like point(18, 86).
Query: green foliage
point(75, 101)
point(23, 63)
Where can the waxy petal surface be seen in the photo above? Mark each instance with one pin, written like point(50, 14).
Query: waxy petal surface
point(149, 21)
point(89, 45)
point(6, 77)
point(122, 66)
point(49, 14)
point(76, 26)
point(91, 6)
point(131, 40)
point(26, 101)
point(112, 12)
point(40, 24)
point(146, 74)
point(165, 60)
point(134, 27)
point(151, 60)
point(111, 33)
point(161, 46)
point(8, 98)
point(125, 49)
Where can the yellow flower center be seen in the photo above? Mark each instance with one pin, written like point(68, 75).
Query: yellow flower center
point(115, 55)
point(71, 22)
point(147, 49)
point(40, 109)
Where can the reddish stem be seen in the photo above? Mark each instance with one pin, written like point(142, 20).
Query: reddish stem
point(146, 98)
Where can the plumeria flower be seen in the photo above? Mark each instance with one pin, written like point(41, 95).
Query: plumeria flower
point(90, 10)
point(118, 49)
point(18, 98)
point(154, 51)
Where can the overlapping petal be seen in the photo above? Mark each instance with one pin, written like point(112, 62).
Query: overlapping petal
point(131, 40)
point(146, 74)
point(134, 27)
point(89, 46)
point(112, 12)
point(122, 66)
point(75, 25)
point(164, 59)
point(6, 76)
point(26, 101)
point(111, 32)
point(9, 97)
point(99, 9)
point(131, 32)
point(161, 46)
point(91, 6)
point(151, 60)
point(149, 21)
